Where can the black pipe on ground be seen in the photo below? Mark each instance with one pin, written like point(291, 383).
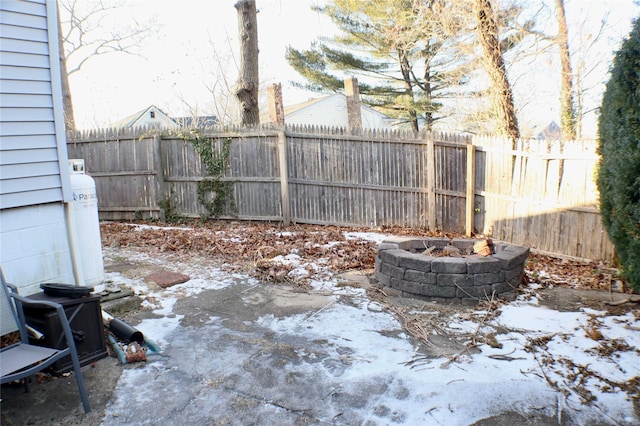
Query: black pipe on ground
point(125, 332)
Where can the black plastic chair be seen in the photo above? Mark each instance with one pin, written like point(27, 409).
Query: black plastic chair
point(22, 360)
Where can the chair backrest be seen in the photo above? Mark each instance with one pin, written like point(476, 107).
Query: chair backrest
point(23, 360)
point(18, 316)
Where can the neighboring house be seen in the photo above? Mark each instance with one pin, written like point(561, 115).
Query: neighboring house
point(331, 110)
point(35, 188)
point(154, 117)
point(551, 132)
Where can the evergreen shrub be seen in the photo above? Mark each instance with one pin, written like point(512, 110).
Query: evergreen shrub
point(619, 148)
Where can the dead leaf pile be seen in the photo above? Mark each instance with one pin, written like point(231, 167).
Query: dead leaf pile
point(256, 248)
point(551, 271)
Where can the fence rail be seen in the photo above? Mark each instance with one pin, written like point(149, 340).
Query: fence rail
point(540, 194)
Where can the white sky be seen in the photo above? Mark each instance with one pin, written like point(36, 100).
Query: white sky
point(194, 38)
point(177, 63)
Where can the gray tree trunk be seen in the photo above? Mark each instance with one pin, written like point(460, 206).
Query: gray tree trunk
point(494, 65)
point(67, 102)
point(567, 107)
point(248, 78)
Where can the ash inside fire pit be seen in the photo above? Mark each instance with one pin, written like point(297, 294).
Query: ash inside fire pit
point(442, 268)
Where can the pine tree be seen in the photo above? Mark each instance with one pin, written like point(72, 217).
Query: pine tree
point(410, 56)
point(390, 45)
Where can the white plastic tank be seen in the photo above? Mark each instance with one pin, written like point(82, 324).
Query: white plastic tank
point(86, 224)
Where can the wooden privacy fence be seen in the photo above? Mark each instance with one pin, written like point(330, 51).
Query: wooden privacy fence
point(533, 195)
point(541, 194)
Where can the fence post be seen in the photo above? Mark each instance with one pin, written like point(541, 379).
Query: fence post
point(284, 178)
point(431, 182)
point(160, 184)
point(471, 189)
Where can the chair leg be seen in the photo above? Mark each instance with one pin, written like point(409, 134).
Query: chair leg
point(26, 384)
point(80, 381)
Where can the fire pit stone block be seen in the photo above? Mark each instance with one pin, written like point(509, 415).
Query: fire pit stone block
point(401, 265)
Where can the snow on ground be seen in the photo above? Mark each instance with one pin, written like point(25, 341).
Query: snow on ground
point(367, 236)
point(584, 362)
point(161, 301)
point(142, 227)
point(510, 378)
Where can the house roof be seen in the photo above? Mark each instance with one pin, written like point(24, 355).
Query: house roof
point(302, 105)
point(552, 131)
point(130, 120)
point(198, 122)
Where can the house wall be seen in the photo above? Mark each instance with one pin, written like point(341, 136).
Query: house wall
point(371, 119)
point(332, 112)
point(33, 164)
point(159, 120)
point(35, 247)
point(34, 179)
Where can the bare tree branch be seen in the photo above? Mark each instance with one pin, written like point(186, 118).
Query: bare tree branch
point(84, 35)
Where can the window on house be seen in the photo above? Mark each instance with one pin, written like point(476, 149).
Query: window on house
point(152, 114)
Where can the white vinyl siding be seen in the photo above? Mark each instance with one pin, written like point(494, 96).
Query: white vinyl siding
point(34, 180)
point(32, 141)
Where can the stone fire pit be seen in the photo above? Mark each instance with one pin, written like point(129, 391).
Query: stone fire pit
point(402, 265)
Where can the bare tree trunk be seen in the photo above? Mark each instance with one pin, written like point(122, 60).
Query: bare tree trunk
point(248, 78)
point(428, 117)
point(494, 65)
point(567, 111)
point(67, 103)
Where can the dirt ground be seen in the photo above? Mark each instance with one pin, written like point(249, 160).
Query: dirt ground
point(55, 401)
